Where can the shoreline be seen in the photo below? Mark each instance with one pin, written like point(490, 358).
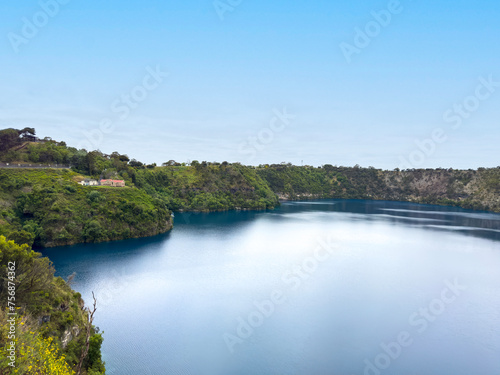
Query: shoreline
point(172, 226)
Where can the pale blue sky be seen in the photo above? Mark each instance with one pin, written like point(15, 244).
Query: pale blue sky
point(228, 77)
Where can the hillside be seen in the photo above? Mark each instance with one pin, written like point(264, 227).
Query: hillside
point(474, 189)
point(48, 334)
point(207, 187)
point(48, 208)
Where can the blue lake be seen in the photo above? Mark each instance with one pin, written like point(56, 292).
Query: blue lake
point(312, 288)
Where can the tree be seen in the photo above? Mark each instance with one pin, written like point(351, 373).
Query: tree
point(91, 161)
point(124, 158)
point(94, 162)
point(33, 273)
point(90, 318)
point(169, 163)
point(8, 139)
point(93, 362)
point(27, 134)
point(38, 349)
point(22, 237)
point(135, 163)
point(93, 231)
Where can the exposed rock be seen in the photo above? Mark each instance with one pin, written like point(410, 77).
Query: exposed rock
point(69, 335)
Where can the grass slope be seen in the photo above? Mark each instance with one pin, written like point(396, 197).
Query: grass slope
point(50, 208)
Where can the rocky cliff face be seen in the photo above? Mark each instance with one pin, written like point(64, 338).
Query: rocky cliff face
point(475, 189)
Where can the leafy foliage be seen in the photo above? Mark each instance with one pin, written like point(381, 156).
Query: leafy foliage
point(47, 308)
point(207, 187)
point(35, 355)
point(475, 189)
point(46, 207)
point(12, 137)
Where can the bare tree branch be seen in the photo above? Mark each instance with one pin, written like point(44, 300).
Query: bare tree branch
point(89, 329)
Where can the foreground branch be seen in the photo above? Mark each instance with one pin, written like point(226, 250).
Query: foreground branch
point(89, 330)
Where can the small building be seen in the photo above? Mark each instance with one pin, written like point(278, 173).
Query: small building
point(89, 182)
point(112, 183)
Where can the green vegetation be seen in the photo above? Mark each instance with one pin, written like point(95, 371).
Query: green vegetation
point(51, 320)
point(474, 189)
point(12, 139)
point(46, 207)
point(293, 182)
point(207, 187)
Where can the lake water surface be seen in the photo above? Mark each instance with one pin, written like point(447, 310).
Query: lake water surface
point(312, 288)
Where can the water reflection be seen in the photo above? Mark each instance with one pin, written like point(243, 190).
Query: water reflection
point(468, 222)
point(167, 302)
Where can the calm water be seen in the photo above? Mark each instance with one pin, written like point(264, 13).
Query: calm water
point(312, 288)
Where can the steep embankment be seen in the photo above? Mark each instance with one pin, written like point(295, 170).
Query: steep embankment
point(48, 333)
point(48, 207)
point(476, 189)
point(207, 187)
